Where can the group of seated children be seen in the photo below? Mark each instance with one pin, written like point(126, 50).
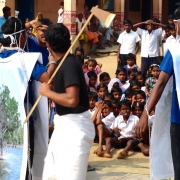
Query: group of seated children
point(117, 104)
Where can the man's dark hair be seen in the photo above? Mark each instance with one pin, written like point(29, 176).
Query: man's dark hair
point(58, 37)
point(61, 3)
point(9, 27)
point(5, 9)
point(177, 14)
point(45, 21)
point(127, 21)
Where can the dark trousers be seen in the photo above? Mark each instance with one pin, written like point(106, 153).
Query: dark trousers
point(146, 63)
point(123, 60)
point(175, 147)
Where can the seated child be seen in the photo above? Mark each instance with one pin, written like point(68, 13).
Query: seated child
point(124, 125)
point(141, 77)
point(115, 107)
point(129, 93)
point(80, 59)
point(104, 78)
point(131, 75)
point(91, 80)
point(121, 74)
point(137, 109)
point(115, 82)
point(108, 97)
point(79, 51)
point(131, 62)
point(92, 65)
point(79, 24)
point(101, 90)
point(93, 97)
point(102, 119)
point(135, 85)
point(139, 96)
point(151, 81)
point(117, 93)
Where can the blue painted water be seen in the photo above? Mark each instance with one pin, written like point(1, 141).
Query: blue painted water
point(11, 165)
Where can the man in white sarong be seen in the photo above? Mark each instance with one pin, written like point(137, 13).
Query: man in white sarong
point(73, 135)
point(15, 36)
point(169, 67)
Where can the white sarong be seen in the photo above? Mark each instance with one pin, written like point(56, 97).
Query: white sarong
point(69, 148)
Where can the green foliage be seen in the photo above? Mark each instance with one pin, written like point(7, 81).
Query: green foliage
point(10, 125)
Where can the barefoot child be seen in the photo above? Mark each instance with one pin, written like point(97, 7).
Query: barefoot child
point(102, 119)
point(124, 125)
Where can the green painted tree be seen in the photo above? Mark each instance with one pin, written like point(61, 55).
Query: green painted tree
point(10, 125)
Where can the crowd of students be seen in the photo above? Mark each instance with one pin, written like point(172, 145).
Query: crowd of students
point(116, 103)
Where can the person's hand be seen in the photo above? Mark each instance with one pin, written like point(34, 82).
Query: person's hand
point(97, 104)
point(35, 24)
point(100, 106)
point(142, 126)
point(45, 89)
point(116, 130)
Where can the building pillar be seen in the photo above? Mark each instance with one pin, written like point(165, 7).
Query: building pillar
point(157, 9)
point(70, 16)
point(119, 18)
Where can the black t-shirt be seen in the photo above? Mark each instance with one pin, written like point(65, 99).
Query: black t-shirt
point(70, 73)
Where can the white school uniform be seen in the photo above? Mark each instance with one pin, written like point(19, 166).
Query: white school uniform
point(150, 42)
point(80, 23)
point(60, 16)
point(126, 129)
point(108, 120)
point(125, 86)
point(128, 42)
point(172, 39)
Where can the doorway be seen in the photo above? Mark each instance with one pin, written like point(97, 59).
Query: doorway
point(25, 8)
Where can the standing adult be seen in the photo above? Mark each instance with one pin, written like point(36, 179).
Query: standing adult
point(128, 43)
point(168, 69)
point(6, 14)
point(70, 144)
point(149, 43)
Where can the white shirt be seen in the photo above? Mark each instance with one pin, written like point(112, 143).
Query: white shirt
point(79, 23)
point(149, 42)
point(126, 129)
point(108, 120)
point(128, 42)
point(60, 16)
point(172, 39)
point(125, 86)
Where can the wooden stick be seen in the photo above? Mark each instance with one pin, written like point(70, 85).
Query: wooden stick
point(68, 51)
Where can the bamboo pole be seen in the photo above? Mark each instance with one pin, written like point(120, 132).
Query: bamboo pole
point(68, 51)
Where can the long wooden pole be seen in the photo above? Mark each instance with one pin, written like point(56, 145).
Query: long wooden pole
point(68, 51)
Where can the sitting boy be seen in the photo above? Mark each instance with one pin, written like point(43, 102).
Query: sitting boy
point(102, 119)
point(123, 130)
